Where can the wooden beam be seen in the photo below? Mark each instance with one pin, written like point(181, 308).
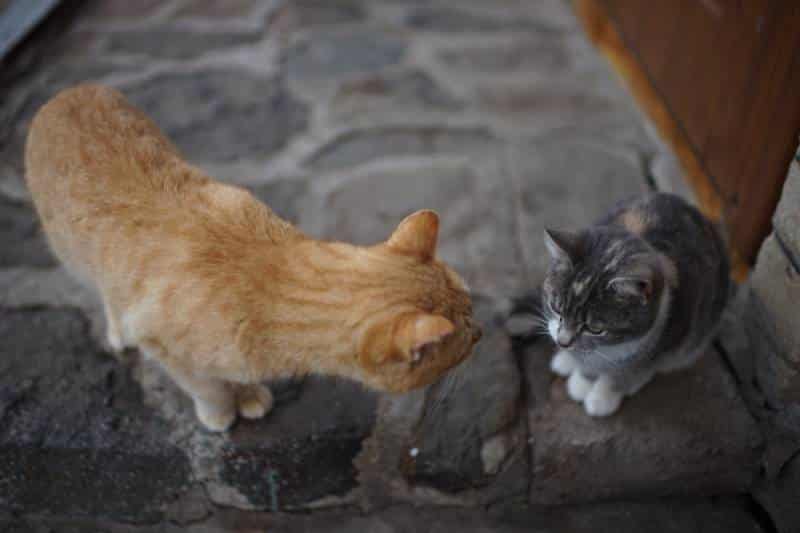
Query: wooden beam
point(603, 33)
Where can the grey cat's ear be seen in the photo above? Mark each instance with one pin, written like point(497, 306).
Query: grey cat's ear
point(417, 235)
point(562, 245)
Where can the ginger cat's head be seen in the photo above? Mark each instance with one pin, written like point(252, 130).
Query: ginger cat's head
point(418, 323)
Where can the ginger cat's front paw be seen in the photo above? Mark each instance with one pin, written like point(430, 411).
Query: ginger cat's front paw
point(113, 337)
point(114, 341)
point(214, 418)
point(254, 401)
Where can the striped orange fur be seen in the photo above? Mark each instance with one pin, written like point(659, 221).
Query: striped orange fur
point(222, 292)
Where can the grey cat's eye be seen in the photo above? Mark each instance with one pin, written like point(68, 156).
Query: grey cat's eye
point(595, 328)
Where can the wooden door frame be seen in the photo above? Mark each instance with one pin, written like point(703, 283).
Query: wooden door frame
point(607, 37)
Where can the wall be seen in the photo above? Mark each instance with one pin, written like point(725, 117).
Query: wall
point(762, 342)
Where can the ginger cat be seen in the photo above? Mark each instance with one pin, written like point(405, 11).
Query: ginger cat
point(223, 293)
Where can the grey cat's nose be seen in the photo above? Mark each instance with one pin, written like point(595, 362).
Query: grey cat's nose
point(565, 338)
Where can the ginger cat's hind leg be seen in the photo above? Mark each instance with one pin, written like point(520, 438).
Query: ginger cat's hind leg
point(214, 399)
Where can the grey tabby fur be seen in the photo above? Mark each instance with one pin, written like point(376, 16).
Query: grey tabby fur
point(638, 293)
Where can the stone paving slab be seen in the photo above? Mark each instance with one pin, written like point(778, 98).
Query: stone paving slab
point(567, 185)
point(22, 241)
point(685, 433)
point(460, 441)
point(303, 452)
point(729, 515)
point(75, 436)
point(776, 290)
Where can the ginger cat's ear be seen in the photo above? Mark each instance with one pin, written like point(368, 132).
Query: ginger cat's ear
point(417, 234)
point(420, 331)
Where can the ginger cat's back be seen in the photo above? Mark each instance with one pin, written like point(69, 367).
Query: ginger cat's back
point(120, 174)
point(210, 282)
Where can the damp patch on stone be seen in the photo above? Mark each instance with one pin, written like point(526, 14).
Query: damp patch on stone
point(75, 437)
point(303, 450)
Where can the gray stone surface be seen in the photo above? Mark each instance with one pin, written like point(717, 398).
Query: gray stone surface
point(75, 438)
point(21, 102)
point(404, 90)
point(554, 178)
point(748, 342)
point(682, 434)
point(780, 497)
point(548, 107)
point(302, 452)
point(473, 195)
point(215, 10)
point(448, 19)
point(314, 13)
point(541, 52)
point(461, 440)
point(362, 146)
point(344, 116)
point(761, 340)
point(221, 114)
point(776, 286)
point(23, 243)
point(170, 43)
point(727, 515)
point(787, 215)
point(668, 515)
point(333, 55)
point(283, 196)
point(120, 9)
point(298, 457)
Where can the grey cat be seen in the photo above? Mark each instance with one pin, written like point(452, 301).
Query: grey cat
point(640, 292)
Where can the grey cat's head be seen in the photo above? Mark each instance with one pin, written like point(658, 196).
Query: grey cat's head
point(602, 289)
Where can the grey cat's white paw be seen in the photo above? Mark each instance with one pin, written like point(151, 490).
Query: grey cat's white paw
point(563, 363)
point(578, 386)
point(602, 399)
point(214, 418)
point(254, 401)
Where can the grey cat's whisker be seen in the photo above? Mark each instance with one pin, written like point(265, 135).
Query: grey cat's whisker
point(442, 392)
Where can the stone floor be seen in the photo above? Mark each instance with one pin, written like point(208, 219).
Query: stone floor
point(345, 115)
